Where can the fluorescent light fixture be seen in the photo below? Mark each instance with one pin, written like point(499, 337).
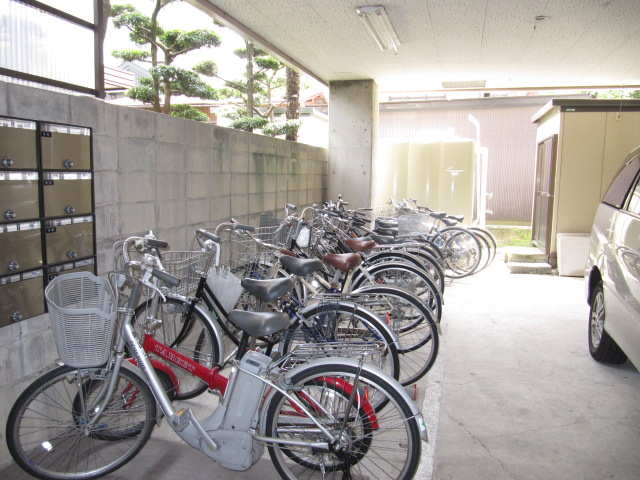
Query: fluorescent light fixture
point(377, 23)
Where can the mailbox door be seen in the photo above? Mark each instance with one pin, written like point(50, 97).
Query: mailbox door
point(65, 151)
point(18, 196)
point(22, 297)
point(18, 144)
point(66, 194)
point(67, 241)
point(20, 247)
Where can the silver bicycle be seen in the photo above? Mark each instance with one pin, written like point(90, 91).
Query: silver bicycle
point(312, 409)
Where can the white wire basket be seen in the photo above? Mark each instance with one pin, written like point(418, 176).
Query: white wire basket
point(83, 311)
point(188, 266)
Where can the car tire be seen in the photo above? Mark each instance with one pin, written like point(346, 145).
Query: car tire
point(601, 346)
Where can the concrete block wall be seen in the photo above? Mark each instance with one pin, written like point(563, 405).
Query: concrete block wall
point(156, 172)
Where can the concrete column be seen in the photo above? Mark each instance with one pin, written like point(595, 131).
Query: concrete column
point(353, 133)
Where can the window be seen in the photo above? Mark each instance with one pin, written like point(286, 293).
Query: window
point(52, 42)
point(622, 183)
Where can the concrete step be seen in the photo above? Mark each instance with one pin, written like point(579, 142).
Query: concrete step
point(525, 255)
point(530, 267)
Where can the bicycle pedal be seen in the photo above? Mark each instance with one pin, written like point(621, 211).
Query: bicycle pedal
point(181, 419)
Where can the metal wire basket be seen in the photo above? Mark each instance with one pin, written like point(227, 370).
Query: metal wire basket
point(188, 266)
point(83, 310)
point(247, 258)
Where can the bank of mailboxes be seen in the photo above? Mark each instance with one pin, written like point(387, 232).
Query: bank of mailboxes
point(46, 211)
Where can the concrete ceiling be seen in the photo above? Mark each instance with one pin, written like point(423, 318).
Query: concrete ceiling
point(583, 43)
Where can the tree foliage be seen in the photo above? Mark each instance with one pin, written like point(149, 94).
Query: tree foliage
point(282, 128)
point(185, 110)
point(166, 80)
point(616, 94)
point(253, 93)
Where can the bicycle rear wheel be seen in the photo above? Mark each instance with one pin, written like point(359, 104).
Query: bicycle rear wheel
point(463, 251)
point(404, 276)
point(344, 322)
point(48, 431)
point(384, 444)
point(413, 324)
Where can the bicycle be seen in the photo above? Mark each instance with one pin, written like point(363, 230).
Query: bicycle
point(177, 317)
point(407, 316)
point(312, 411)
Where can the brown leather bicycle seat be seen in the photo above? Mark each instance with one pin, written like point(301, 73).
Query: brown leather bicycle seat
point(344, 262)
point(360, 244)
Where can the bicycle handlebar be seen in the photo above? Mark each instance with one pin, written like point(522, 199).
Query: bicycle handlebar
point(165, 277)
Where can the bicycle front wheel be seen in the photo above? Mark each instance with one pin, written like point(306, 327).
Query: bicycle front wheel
point(51, 432)
point(383, 444)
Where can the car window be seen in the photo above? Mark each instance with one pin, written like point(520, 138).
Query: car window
point(621, 184)
point(634, 200)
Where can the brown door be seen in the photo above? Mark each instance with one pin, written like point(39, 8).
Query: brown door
point(544, 194)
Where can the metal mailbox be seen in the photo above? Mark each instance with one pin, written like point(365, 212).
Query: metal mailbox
point(18, 196)
point(18, 144)
point(68, 238)
point(20, 247)
point(22, 297)
point(66, 193)
point(86, 265)
point(65, 147)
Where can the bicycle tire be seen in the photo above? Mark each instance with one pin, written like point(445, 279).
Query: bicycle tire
point(465, 251)
point(413, 324)
point(194, 337)
point(343, 321)
point(45, 433)
point(405, 276)
point(491, 241)
point(365, 439)
point(485, 258)
point(411, 257)
point(431, 264)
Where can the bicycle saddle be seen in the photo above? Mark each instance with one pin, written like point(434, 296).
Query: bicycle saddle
point(301, 266)
point(383, 239)
point(386, 223)
point(267, 290)
point(458, 218)
point(343, 261)
point(387, 231)
point(259, 324)
point(360, 244)
point(449, 222)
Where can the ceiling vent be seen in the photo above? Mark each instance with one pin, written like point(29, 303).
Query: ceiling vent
point(465, 84)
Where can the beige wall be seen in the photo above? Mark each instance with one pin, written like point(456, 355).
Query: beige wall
point(592, 146)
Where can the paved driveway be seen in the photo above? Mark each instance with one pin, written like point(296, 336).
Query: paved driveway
point(521, 397)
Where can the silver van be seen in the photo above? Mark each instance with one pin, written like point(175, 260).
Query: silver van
point(613, 270)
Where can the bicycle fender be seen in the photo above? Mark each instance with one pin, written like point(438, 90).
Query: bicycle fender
point(332, 361)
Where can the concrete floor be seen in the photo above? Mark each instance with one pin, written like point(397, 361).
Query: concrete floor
point(514, 395)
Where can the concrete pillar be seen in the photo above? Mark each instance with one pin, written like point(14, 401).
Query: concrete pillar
point(353, 133)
